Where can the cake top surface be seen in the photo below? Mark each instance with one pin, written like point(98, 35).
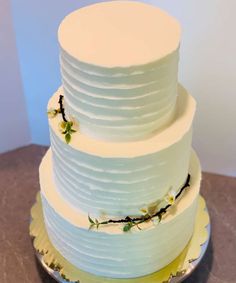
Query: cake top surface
point(119, 34)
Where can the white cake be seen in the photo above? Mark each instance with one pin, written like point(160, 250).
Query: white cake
point(130, 161)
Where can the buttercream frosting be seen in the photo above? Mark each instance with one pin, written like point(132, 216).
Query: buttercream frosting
point(104, 251)
point(119, 80)
point(120, 178)
point(119, 67)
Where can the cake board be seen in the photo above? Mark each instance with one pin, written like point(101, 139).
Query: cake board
point(43, 246)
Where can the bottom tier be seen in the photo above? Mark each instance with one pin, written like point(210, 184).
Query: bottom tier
point(109, 251)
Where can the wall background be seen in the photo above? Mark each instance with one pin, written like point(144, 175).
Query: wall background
point(14, 129)
point(207, 68)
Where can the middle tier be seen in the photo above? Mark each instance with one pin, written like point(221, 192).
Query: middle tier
point(119, 179)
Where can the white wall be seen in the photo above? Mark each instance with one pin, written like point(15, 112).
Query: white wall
point(207, 68)
point(36, 24)
point(14, 130)
point(208, 71)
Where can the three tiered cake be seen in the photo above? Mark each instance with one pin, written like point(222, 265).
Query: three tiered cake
point(120, 182)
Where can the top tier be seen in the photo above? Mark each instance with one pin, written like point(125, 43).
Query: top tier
point(119, 64)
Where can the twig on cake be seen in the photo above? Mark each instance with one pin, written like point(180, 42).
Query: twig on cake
point(131, 222)
point(65, 126)
point(62, 110)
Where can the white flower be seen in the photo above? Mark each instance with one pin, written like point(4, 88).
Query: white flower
point(156, 220)
point(152, 208)
point(170, 197)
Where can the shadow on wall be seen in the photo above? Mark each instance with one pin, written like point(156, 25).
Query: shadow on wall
point(36, 28)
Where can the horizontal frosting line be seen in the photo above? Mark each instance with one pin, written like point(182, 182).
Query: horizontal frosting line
point(114, 181)
point(105, 201)
point(110, 164)
point(72, 161)
point(78, 253)
point(156, 96)
point(114, 270)
point(107, 119)
point(160, 65)
point(126, 90)
point(120, 71)
point(65, 166)
point(108, 182)
point(107, 263)
point(97, 185)
point(119, 104)
point(88, 128)
point(84, 203)
point(101, 204)
point(77, 179)
point(98, 207)
point(80, 186)
point(135, 79)
point(136, 114)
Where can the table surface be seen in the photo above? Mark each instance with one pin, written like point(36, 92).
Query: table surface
point(18, 188)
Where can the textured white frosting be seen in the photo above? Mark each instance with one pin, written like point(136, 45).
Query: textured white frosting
point(109, 251)
point(119, 65)
point(121, 178)
point(119, 80)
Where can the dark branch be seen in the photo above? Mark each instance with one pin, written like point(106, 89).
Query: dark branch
point(62, 110)
point(149, 217)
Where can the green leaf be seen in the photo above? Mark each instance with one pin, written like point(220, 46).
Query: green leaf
point(69, 125)
point(68, 138)
point(160, 217)
point(91, 220)
point(127, 227)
